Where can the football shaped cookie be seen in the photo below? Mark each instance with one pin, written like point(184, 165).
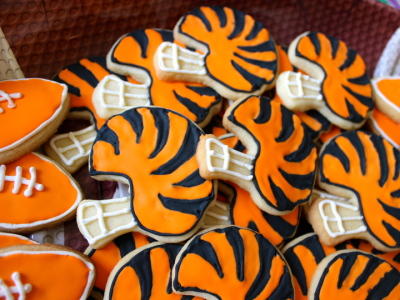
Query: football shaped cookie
point(236, 54)
point(337, 84)
point(31, 110)
point(35, 193)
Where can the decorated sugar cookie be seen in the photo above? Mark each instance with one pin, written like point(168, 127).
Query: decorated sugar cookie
point(145, 273)
point(304, 253)
point(35, 193)
point(71, 149)
point(133, 55)
point(42, 271)
point(315, 122)
point(236, 54)
point(239, 209)
point(386, 95)
point(153, 150)
point(348, 274)
point(31, 110)
point(381, 124)
point(278, 169)
point(231, 263)
point(361, 172)
point(106, 258)
point(10, 239)
point(337, 84)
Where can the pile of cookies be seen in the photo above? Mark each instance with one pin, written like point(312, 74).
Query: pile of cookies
point(226, 145)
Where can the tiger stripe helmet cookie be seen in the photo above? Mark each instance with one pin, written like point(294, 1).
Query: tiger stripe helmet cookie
point(354, 274)
point(153, 150)
point(279, 167)
point(32, 109)
point(360, 171)
point(337, 84)
point(231, 263)
point(236, 55)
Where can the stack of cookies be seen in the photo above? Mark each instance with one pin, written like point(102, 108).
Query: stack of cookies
point(245, 169)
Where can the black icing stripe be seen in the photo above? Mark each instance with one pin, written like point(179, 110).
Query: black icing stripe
point(172, 250)
point(269, 65)
point(263, 47)
point(394, 233)
point(142, 39)
point(359, 147)
point(377, 141)
point(315, 41)
point(367, 101)
point(219, 11)
point(283, 202)
point(186, 151)
point(239, 24)
point(193, 179)
point(369, 270)
point(301, 182)
point(255, 81)
point(333, 149)
point(167, 35)
point(287, 128)
point(334, 45)
point(197, 12)
point(108, 135)
point(136, 121)
point(354, 116)
point(304, 150)
point(280, 225)
point(351, 57)
point(204, 91)
point(236, 242)
point(200, 112)
point(194, 207)
point(385, 286)
point(396, 155)
point(362, 80)
point(162, 124)
point(257, 27)
point(125, 243)
point(348, 263)
point(265, 111)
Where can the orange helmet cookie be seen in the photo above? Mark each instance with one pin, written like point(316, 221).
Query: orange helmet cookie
point(354, 274)
point(337, 84)
point(361, 171)
point(153, 150)
point(42, 272)
point(133, 55)
point(231, 263)
point(35, 193)
point(10, 239)
point(237, 58)
point(32, 109)
point(279, 166)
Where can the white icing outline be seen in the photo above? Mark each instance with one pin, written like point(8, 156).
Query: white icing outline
point(9, 98)
point(89, 265)
point(101, 215)
point(76, 144)
point(227, 159)
point(176, 59)
point(18, 180)
point(300, 81)
point(64, 95)
point(18, 288)
point(375, 82)
point(122, 95)
point(383, 133)
point(338, 219)
point(79, 197)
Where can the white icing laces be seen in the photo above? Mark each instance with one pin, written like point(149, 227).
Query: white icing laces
point(9, 98)
point(217, 214)
point(174, 58)
point(96, 218)
point(75, 145)
point(221, 158)
point(300, 86)
point(20, 289)
point(19, 181)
